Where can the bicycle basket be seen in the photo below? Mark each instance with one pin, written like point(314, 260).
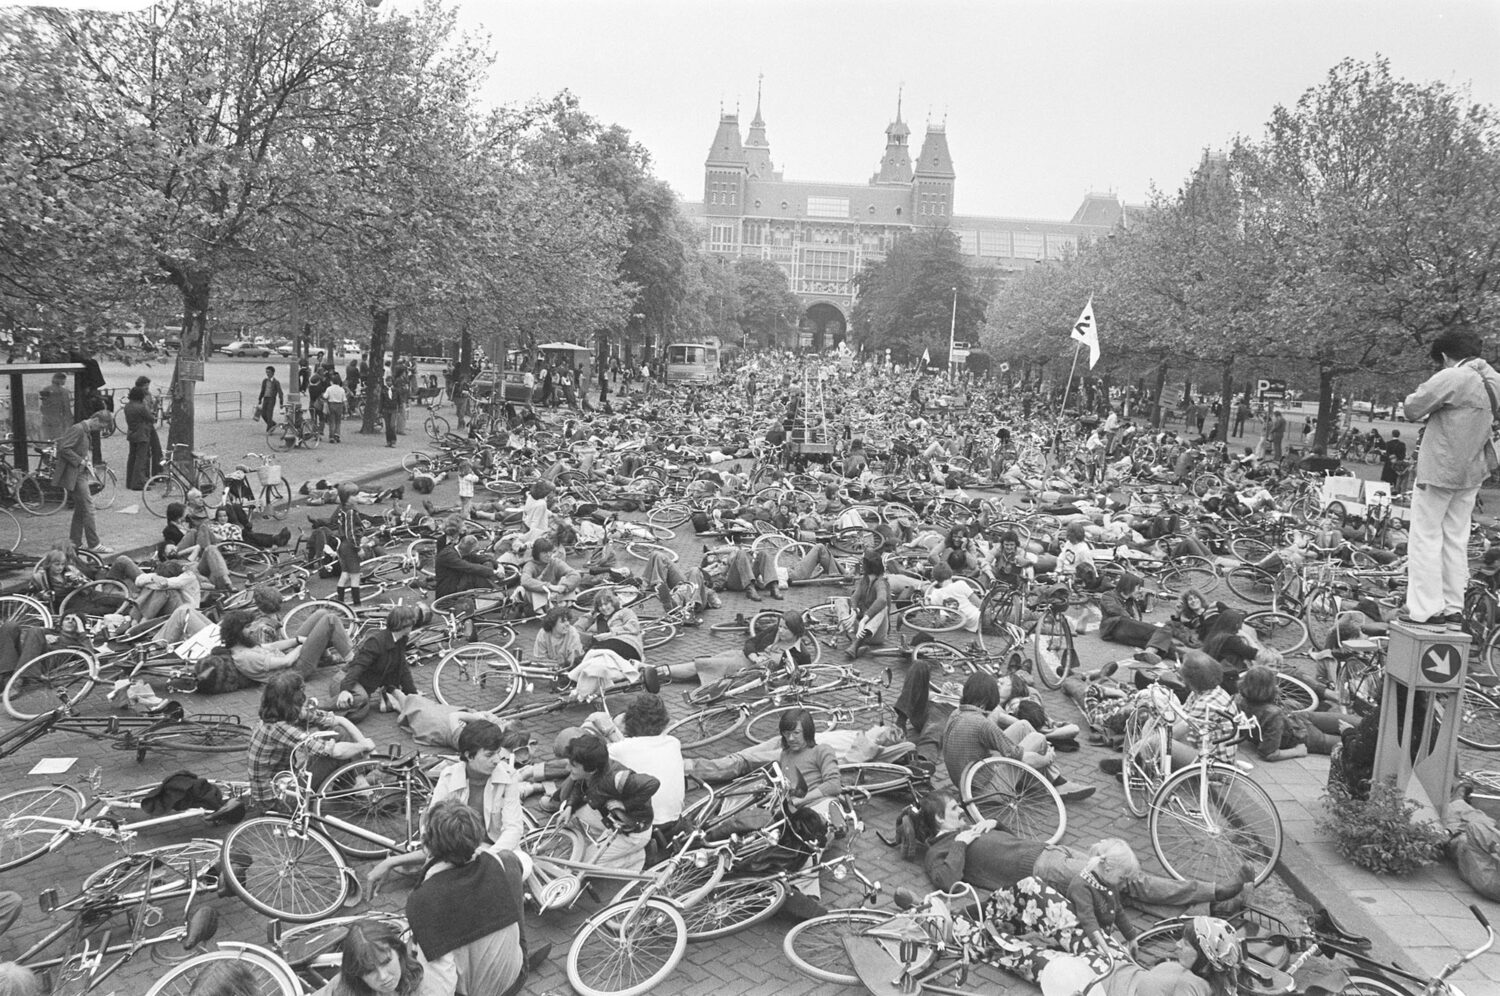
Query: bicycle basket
point(269, 475)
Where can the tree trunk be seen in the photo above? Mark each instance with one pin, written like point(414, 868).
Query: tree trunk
point(1156, 392)
point(380, 324)
point(196, 288)
point(1226, 401)
point(1327, 412)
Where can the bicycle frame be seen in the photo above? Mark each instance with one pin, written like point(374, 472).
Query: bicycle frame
point(127, 732)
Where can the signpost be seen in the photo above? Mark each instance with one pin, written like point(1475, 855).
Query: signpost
point(1422, 696)
point(1270, 390)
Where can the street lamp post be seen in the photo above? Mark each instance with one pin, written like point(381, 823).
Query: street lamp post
point(952, 328)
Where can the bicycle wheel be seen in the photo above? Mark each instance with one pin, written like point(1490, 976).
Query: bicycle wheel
point(1146, 757)
point(105, 487)
point(48, 681)
point(1489, 657)
point(876, 777)
point(10, 530)
point(1480, 727)
point(641, 550)
point(627, 949)
point(416, 461)
point(210, 481)
point(1254, 585)
point(436, 427)
point(1279, 631)
point(385, 798)
point(1049, 646)
point(280, 871)
point(243, 559)
point(170, 865)
point(932, 618)
point(95, 598)
point(766, 724)
point(1206, 826)
point(1016, 796)
point(199, 736)
point(733, 906)
point(669, 513)
point(161, 491)
point(282, 438)
point(1295, 695)
point(656, 633)
point(267, 973)
point(30, 819)
point(276, 499)
point(1249, 549)
point(1362, 984)
point(706, 726)
point(293, 619)
point(997, 613)
point(24, 610)
point(39, 496)
point(816, 947)
point(479, 677)
point(1321, 613)
point(1184, 573)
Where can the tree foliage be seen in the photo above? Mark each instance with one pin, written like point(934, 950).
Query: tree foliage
point(906, 301)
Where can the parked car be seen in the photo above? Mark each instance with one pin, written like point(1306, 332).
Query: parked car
point(351, 347)
point(286, 348)
point(243, 347)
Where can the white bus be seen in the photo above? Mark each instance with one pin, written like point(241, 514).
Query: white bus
point(692, 363)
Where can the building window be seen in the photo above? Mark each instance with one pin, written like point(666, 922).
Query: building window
point(994, 244)
point(824, 271)
point(828, 207)
point(1060, 245)
point(968, 242)
point(721, 238)
point(1028, 245)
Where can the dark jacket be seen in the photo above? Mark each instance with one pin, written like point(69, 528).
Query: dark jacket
point(380, 662)
point(73, 457)
point(455, 574)
point(139, 422)
point(618, 783)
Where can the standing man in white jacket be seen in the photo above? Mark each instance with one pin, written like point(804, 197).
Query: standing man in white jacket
point(1458, 403)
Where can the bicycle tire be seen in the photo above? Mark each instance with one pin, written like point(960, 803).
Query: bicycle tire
point(656, 633)
point(1145, 758)
point(1363, 984)
point(1278, 631)
point(109, 489)
point(642, 550)
point(173, 861)
point(84, 597)
point(1295, 695)
point(765, 725)
point(1051, 653)
point(244, 560)
point(276, 499)
point(436, 427)
point(1157, 943)
point(24, 610)
point(196, 736)
point(1480, 727)
point(997, 613)
point(706, 726)
point(295, 617)
point(733, 906)
point(281, 439)
point(47, 681)
point(39, 496)
point(1249, 549)
point(210, 481)
point(1321, 614)
point(11, 531)
point(479, 677)
point(270, 975)
point(656, 939)
point(1016, 796)
point(266, 860)
point(876, 777)
point(1256, 586)
point(22, 837)
point(932, 618)
point(161, 491)
point(416, 461)
point(1194, 842)
point(1189, 572)
point(377, 795)
point(816, 947)
point(1489, 656)
point(669, 513)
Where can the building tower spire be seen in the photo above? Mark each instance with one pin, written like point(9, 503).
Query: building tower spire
point(895, 164)
point(757, 147)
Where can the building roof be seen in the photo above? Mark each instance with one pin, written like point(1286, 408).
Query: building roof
point(727, 149)
point(1099, 210)
point(934, 159)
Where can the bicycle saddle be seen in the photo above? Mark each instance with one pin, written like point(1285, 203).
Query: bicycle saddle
point(1324, 922)
point(233, 811)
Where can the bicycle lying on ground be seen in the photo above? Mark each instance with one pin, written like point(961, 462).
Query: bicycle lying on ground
point(167, 728)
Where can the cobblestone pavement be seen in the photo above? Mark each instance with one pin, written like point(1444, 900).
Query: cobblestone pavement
point(748, 962)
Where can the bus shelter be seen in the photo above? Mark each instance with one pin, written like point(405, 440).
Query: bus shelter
point(27, 427)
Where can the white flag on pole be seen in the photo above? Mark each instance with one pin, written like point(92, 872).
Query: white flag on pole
point(926, 357)
point(1086, 332)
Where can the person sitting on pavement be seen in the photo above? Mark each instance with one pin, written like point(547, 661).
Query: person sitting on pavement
point(374, 959)
point(546, 576)
point(677, 588)
point(606, 795)
point(1121, 620)
point(1281, 735)
point(869, 619)
point(970, 735)
point(484, 779)
point(879, 742)
point(459, 566)
point(287, 721)
point(188, 537)
point(638, 741)
point(377, 666)
point(614, 649)
point(468, 913)
point(1319, 462)
point(772, 636)
point(956, 594)
point(557, 639)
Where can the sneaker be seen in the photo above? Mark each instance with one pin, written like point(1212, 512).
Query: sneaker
point(1073, 791)
point(100, 548)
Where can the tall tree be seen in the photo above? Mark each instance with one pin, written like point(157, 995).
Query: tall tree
point(906, 302)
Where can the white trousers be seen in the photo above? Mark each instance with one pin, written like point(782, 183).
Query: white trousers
point(1437, 563)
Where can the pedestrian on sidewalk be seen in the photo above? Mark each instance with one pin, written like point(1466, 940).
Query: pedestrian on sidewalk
point(334, 399)
point(73, 472)
point(389, 406)
point(270, 398)
point(140, 426)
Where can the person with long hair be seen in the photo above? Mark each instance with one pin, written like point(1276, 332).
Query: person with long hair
point(286, 721)
point(303, 651)
point(770, 638)
point(870, 620)
point(1206, 962)
point(1282, 735)
point(375, 962)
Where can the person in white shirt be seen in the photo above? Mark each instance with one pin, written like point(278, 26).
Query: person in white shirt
point(466, 481)
point(484, 779)
point(334, 400)
point(534, 514)
point(946, 590)
point(638, 742)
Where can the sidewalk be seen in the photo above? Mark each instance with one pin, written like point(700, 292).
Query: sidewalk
point(1422, 921)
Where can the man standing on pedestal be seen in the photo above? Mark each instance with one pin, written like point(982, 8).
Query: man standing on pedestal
point(1460, 403)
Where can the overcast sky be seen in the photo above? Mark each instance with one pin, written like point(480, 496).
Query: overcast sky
point(1044, 101)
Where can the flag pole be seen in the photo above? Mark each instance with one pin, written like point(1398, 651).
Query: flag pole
point(952, 330)
point(1068, 387)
